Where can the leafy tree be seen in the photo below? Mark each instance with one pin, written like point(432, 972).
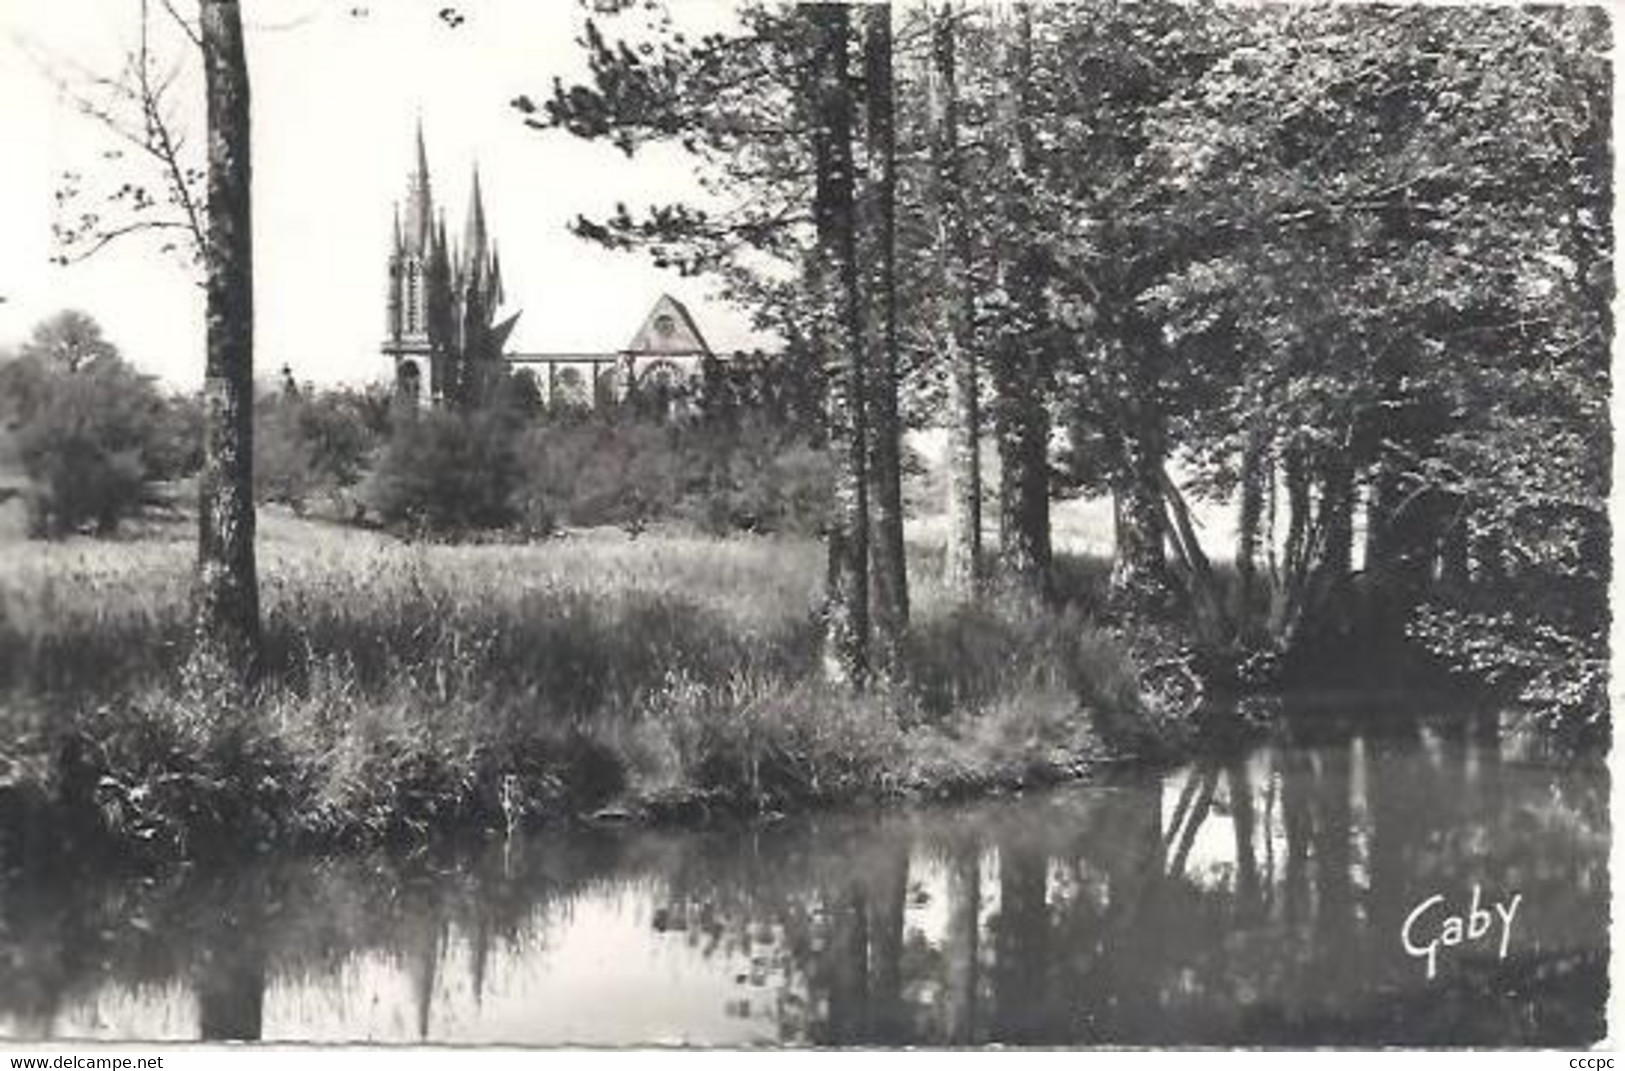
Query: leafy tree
point(771, 114)
point(311, 443)
point(69, 341)
point(447, 472)
point(87, 428)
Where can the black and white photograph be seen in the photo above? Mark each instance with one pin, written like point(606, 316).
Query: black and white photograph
point(751, 524)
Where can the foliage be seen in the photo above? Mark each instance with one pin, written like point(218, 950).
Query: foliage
point(596, 471)
point(408, 689)
point(447, 472)
point(616, 467)
point(92, 434)
point(310, 444)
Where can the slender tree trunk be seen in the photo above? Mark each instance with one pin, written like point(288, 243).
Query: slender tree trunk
point(835, 282)
point(1298, 488)
point(1337, 522)
point(1140, 581)
point(1022, 416)
point(951, 299)
point(1254, 471)
point(1377, 496)
point(227, 594)
point(889, 573)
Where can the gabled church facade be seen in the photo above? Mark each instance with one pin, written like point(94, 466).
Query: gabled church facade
point(446, 328)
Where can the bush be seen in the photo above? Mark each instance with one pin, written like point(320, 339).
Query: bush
point(596, 472)
point(749, 475)
point(90, 432)
point(630, 469)
point(445, 472)
point(310, 444)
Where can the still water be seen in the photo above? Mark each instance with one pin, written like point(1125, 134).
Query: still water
point(1255, 898)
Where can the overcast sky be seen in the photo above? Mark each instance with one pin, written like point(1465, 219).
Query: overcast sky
point(337, 87)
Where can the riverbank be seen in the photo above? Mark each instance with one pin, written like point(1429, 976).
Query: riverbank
point(413, 689)
point(1253, 897)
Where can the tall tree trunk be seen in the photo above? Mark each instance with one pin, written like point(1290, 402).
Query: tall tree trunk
point(1254, 471)
point(835, 282)
point(889, 573)
point(1021, 414)
point(227, 608)
point(1298, 529)
point(1140, 580)
point(951, 310)
point(1337, 525)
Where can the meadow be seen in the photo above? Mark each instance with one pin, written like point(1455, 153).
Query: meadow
point(412, 688)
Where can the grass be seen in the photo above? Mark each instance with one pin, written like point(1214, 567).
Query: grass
point(413, 688)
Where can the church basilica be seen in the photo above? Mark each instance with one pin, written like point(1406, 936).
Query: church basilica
point(447, 327)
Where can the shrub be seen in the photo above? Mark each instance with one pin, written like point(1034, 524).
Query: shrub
point(445, 472)
point(596, 471)
point(309, 444)
point(89, 434)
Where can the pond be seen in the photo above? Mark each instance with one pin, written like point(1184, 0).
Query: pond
point(1259, 897)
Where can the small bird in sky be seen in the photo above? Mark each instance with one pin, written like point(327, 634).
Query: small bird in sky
point(452, 17)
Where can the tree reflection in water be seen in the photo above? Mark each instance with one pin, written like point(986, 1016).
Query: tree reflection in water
point(1253, 898)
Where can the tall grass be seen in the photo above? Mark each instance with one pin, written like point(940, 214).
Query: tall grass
point(409, 688)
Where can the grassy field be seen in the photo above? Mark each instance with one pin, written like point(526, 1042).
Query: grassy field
point(410, 688)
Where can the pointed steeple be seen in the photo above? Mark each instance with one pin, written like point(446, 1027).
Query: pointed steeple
point(445, 257)
point(419, 202)
point(497, 295)
point(475, 241)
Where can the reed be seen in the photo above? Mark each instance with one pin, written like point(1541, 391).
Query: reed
point(411, 688)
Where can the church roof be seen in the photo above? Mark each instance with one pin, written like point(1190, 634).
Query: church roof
point(669, 330)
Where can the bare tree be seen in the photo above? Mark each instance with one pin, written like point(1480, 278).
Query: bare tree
point(205, 210)
point(155, 184)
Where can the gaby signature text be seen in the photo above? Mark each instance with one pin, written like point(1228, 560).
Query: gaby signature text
point(1433, 924)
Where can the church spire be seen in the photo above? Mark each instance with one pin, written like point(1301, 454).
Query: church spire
point(475, 241)
point(419, 202)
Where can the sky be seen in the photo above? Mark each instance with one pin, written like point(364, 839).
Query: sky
point(337, 88)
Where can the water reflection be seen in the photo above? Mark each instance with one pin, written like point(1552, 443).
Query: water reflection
point(1256, 897)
